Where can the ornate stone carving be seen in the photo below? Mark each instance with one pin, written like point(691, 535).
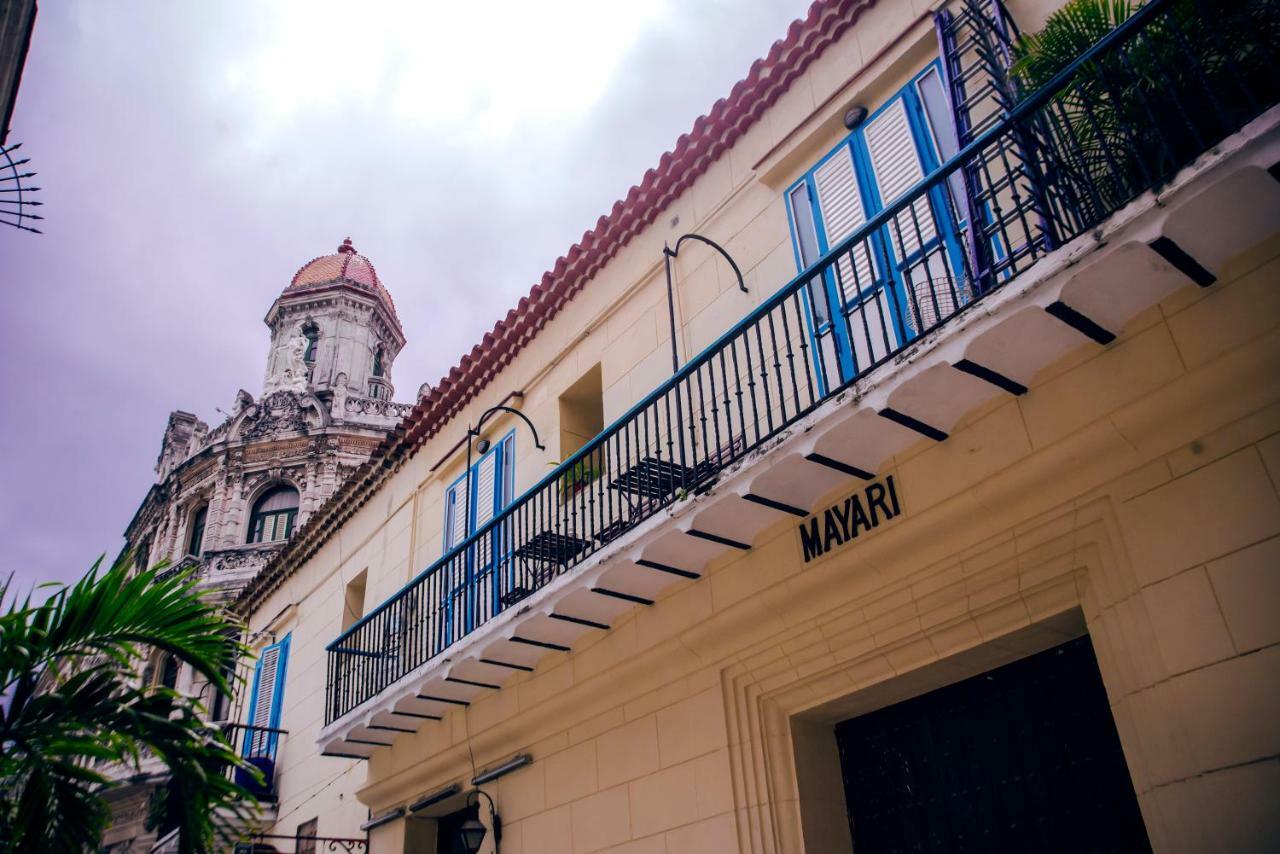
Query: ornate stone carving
point(245, 557)
point(283, 449)
point(376, 407)
point(292, 376)
point(243, 401)
point(279, 412)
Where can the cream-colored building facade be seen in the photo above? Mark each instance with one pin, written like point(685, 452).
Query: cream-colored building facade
point(1126, 492)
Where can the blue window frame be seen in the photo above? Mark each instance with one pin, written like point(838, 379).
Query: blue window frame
point(265, 700)
point(471, 502)
point(908, 273)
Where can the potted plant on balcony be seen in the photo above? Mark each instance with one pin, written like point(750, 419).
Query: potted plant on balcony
point(577, 478)
point(1129, 119)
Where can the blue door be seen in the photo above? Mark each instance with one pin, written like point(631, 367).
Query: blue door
point(902, 278)
point(471, 502)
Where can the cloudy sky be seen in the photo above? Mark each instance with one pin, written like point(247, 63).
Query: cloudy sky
point(194, 155)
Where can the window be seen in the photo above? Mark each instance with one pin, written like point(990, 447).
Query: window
point(221, 704)
point(471, 502)
point(353, 601)
point(899, 280)
point(581, 412)
point(581, 420)
point(142, 554)
point(377, 362)
point(195, 541)
point(801, 209)
point(161, 670)
point(312, 334)
point(169, 671)
point(273, 515)
point(937, 110)
point(265, 699)
point(306, 837)
point(490, 481)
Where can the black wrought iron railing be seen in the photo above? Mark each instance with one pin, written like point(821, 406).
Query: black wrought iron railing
point(303, 843)
point(260, 747)
point(1044, 167)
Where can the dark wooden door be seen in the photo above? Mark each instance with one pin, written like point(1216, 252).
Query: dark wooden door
point(1021, 758)
point(448, 827)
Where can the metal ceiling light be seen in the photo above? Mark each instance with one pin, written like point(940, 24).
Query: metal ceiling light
point(472, 832)
point(518, 761)
point(434, 798)
point(855, 116)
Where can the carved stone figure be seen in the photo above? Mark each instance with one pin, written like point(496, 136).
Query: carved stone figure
point(338, 407)
point(292, 376)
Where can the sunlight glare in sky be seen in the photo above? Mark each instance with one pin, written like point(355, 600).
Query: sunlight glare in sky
point(486, 73)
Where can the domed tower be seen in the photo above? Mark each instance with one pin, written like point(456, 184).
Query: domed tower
point(227, 499)
point(334, 329)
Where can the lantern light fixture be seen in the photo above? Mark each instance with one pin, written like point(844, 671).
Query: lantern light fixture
point(472, 833)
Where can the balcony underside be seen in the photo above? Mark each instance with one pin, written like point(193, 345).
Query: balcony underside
point(1080, 295)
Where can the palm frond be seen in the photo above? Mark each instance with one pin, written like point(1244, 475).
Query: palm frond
point(74, 706)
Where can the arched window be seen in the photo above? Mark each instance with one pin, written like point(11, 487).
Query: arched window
point(273, 515)
point(161, 670)
point(312, 333)
point(195, 542)
point(169, 671)
point(377, 362)
point(142, 554)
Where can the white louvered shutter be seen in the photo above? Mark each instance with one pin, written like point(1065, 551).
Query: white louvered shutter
point(840, 205)
point(486, 486)
point(264, 698)
point(895, 160)
point(486, 491)
point(896, 164)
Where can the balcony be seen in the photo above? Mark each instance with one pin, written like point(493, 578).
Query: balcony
point(226, 571)
point(1123, 179)
point(260, 746)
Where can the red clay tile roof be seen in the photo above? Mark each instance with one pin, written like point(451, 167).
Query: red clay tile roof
point(711, 136)
point(345, 265)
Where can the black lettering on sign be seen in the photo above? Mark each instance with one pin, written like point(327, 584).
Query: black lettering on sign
point(841, 523)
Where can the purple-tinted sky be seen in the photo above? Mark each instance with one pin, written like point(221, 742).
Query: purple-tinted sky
point(193, 156)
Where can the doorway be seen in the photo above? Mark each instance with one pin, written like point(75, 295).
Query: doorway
point(1021, 758)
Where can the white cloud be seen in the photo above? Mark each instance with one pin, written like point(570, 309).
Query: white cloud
point(474, 71)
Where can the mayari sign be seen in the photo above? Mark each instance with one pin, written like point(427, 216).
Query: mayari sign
point(841, 523)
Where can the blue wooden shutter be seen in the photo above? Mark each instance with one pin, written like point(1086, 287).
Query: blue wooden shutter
point(265, 700)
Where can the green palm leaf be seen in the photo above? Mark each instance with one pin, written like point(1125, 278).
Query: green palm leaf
point(73, 705)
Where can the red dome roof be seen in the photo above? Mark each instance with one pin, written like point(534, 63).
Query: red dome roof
point(346, 265)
